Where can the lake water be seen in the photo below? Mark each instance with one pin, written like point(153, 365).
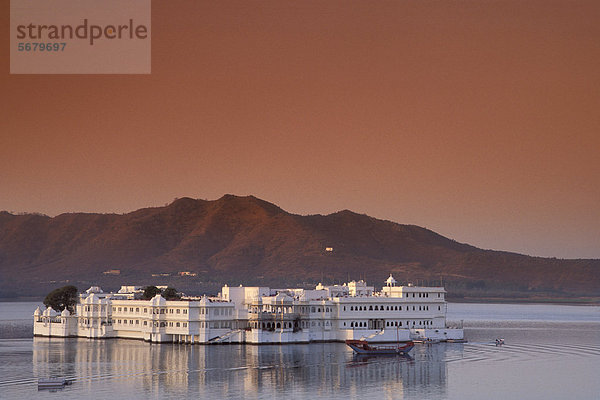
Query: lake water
point(551, 352)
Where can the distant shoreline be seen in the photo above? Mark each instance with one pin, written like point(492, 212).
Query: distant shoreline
point(25, 299)
point(583, 301)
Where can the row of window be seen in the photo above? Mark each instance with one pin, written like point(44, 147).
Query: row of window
point(363, 324)
point(214, 325)
point(157, 324)
point(300, 309)
point(286, 325)
point(137, 322)
point(217, 324)
point(203, 311)
point(94, 308)
point(421, 295)
point(153, 311)
point(389, 308)
point(215, 311)
point(85, 322)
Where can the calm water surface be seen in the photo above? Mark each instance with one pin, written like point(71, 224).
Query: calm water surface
point(551, 352)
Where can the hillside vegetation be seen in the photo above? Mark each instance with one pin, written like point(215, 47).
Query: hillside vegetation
point(246, 240)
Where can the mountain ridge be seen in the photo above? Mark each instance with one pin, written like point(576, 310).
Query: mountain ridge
point(252, 241)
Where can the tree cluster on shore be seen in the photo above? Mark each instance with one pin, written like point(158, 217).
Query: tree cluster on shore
point(169, 293)
point(61, 298)
point(66, 297)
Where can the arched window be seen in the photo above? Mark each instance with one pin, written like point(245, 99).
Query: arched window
point(370, 308)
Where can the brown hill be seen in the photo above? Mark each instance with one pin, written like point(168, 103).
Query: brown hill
point(247, 240)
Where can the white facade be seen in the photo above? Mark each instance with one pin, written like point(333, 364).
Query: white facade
point(259, 315)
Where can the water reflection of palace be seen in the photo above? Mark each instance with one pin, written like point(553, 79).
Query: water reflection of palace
point(136, 367)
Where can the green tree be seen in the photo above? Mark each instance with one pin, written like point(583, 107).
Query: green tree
point(171, 294)
point(150, 292)
point(61, 298)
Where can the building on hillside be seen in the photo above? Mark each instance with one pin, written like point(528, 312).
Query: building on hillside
point(112, 272)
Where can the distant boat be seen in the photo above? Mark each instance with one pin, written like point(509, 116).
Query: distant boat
point(52, 383)
point(363, 347)
point(499, 342)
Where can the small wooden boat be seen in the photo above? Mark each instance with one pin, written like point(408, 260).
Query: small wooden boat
point(363, 347)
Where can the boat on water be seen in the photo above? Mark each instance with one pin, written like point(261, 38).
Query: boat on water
point(52, 383)
point(363, 347)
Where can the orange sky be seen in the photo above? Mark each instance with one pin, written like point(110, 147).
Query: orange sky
point(477, 119)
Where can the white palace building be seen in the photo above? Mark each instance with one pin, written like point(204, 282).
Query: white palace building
point(258, 315)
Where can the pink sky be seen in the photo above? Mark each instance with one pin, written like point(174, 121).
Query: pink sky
point(477, 119)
